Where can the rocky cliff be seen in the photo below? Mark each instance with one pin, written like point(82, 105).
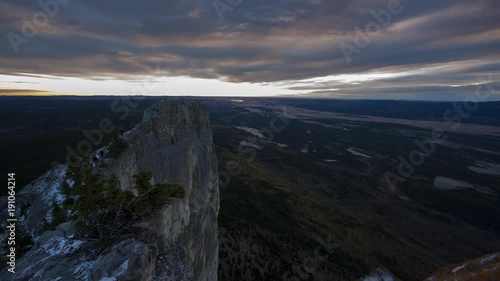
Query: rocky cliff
point(179, 242)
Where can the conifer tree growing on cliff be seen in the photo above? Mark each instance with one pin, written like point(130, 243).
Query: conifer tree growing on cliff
point(113, 210)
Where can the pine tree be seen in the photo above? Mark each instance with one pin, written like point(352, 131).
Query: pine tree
point(103, 211)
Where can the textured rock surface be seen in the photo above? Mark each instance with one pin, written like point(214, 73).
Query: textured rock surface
point(486, 268)
point(380, 274)
point(36, 200)
point(59, 255)
point(174, 143)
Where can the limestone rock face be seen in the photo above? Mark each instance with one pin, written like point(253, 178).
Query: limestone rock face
point(174, 143)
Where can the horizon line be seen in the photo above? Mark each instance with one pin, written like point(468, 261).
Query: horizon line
point(233, 97)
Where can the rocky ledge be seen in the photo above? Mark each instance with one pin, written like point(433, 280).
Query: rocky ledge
point(179, 242)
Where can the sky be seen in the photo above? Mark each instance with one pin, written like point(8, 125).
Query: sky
point(356, 49)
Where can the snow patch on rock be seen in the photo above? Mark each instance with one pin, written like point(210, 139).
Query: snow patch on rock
point(379, 274)
point(61, 246)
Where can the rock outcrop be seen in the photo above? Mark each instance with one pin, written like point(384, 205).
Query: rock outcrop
point(486, 268)
point(174, 143)
point(380, 274)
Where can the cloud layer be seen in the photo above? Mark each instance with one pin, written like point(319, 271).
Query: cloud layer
point(425, 50)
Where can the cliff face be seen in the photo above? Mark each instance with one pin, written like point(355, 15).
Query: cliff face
point(174, 143)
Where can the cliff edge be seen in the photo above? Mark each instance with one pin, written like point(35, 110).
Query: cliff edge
point(178, 242)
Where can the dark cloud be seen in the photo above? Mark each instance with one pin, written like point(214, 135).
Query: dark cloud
point(262, 41)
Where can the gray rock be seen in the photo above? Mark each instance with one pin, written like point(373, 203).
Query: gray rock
point(174, 143)
point(128, 260)
point(380, 274)
point(36, 200)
